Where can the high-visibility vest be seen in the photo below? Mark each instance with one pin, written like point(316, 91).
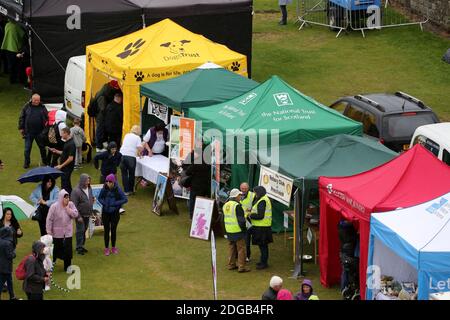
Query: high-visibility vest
point(247, 203)
point(230, 219)
point(267, 220)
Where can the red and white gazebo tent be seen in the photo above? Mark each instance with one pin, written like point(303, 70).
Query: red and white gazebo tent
point(412, 178)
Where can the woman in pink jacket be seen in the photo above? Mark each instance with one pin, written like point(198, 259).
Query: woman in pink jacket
point(60, 227)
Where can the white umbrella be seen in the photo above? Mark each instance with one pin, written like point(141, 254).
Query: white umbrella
point(22, 209)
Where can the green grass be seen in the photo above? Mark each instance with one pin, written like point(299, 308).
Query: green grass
point(158, 260)
point(325, 68)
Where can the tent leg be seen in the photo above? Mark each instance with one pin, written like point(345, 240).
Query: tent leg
point(143, 21)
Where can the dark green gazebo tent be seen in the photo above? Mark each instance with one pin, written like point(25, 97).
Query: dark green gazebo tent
point(334, 156)
point(207, 85)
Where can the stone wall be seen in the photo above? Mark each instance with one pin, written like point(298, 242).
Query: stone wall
point(438, 11)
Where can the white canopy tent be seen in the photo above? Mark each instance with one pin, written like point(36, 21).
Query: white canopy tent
point(413, 244)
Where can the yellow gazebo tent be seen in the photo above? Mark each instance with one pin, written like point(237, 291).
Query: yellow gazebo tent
point(160, 51)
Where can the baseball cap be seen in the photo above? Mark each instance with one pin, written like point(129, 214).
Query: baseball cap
point(234, 193)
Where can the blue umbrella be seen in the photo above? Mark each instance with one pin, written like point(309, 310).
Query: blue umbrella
point(38, 174)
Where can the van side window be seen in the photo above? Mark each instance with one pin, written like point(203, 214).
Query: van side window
point(340, 106)
point(432, 146)
point(354, 113)
point(446, 157)
point(419, 140)
point(370, 125)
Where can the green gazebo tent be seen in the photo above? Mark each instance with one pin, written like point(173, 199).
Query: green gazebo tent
point(273, 104)
point(206, 85)
point(335, 156)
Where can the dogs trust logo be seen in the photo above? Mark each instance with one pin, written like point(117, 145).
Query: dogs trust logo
point(283, 99)
point(177, 49)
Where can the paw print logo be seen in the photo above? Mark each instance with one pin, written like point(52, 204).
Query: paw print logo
point(139, 76)
point(235, 66)
point(124, 75)
point(131, 49)
point(89, 57)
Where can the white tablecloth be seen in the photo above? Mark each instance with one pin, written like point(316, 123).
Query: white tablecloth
point(150, 167)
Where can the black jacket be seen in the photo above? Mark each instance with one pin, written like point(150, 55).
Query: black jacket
point(112, 199)
point(7, 252)
point(103, 98)
point(15, 226)
point(35, 278)
point(114, 118)
point(201, 176)
point(269, 294)
point(109, 162)
point(28, 126)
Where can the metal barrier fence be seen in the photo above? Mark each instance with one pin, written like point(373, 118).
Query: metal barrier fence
point(358, 15)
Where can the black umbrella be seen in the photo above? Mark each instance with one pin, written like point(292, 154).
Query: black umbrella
point(38, 174)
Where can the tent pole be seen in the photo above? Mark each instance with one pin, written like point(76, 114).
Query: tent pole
point(143, 20)
point(305, 199)
point(31, 51)
point(298, 268)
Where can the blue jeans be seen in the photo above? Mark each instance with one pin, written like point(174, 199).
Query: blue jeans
point(7, 277)
point(29, 138)
point(81, 232)
point(128, 168)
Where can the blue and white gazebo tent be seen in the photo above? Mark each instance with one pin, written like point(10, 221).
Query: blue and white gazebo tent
point(413, 245)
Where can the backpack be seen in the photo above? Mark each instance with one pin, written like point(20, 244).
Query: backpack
point(21, 272)
point(93, 108)
point(53, 133)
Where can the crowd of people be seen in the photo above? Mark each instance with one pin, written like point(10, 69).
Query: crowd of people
point(57, 211)
point(277, 292)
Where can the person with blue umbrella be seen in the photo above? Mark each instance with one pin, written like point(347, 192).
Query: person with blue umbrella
point(43, 196)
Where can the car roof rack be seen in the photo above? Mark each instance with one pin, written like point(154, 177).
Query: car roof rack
point(411, 98)
point(371, 102)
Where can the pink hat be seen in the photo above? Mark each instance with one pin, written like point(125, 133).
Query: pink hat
point(284, 294)
point(110, 178)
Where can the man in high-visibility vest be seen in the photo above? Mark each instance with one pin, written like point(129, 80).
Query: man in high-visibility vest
point(234, 219)
point(247, 198)
point(261, 217)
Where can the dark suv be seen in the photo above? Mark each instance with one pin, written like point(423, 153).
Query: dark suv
point(391, 118)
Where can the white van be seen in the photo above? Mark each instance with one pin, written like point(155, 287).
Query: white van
point(436, 138)
point(75, 86)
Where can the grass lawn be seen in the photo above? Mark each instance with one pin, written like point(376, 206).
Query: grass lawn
point(158, 260)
